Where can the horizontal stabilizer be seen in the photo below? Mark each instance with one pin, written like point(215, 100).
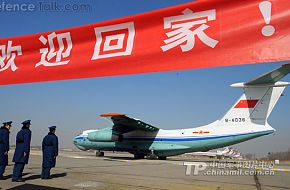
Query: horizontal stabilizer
point(271, 77)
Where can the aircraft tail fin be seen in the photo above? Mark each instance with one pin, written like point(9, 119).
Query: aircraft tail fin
point(259, 98)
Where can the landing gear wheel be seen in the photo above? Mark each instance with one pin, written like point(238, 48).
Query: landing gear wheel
point(139, 156)
point(151, 157)
point(100, 154)
point(161, 157)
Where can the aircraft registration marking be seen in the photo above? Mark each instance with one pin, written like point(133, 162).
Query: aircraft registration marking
point(236, 120)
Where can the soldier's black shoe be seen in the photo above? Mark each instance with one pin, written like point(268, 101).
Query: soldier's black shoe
point(18, 180)
point(46, 178)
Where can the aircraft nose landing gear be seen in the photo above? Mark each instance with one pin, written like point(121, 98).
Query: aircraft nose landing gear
point(153, 156)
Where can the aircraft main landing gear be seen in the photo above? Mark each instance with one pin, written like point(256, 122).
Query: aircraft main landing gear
point(100, 154)
point(139, 156)
point(161, 157)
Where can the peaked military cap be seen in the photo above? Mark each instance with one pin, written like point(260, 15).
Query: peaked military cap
point(7, 123)
point(52, 127)
point(27, 122)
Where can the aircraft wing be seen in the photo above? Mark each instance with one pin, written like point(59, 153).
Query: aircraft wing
point(124, 124)
point(272, 76)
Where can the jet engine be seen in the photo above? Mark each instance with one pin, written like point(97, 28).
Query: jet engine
point(104, 135)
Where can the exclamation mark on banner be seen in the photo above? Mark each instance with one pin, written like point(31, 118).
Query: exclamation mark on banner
point(265, 8)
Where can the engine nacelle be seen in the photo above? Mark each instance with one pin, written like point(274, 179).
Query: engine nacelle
point(105, 135)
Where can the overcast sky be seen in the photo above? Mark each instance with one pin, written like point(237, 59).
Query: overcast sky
point(168, 100)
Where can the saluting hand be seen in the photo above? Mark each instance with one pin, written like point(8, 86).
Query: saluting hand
point(6, 153)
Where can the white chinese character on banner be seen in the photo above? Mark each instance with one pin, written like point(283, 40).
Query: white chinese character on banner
point(114, 40)
point(51, 52)
point(9, 55)
point(183, 35)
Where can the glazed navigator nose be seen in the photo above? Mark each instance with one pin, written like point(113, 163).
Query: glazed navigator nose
point(77, 140)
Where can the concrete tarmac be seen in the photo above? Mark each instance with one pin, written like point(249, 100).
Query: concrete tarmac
point(82, 170)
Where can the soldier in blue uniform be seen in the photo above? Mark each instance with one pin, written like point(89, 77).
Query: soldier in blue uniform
point(50, 152)
point(21, 154)
point(4, 146)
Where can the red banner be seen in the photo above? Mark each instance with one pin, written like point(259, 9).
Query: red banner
point(205, 33)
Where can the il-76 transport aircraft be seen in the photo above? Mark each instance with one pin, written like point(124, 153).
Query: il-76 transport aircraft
point(245, 120)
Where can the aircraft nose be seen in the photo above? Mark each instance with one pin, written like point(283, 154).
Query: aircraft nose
point(76, 143)
point(75, 140)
